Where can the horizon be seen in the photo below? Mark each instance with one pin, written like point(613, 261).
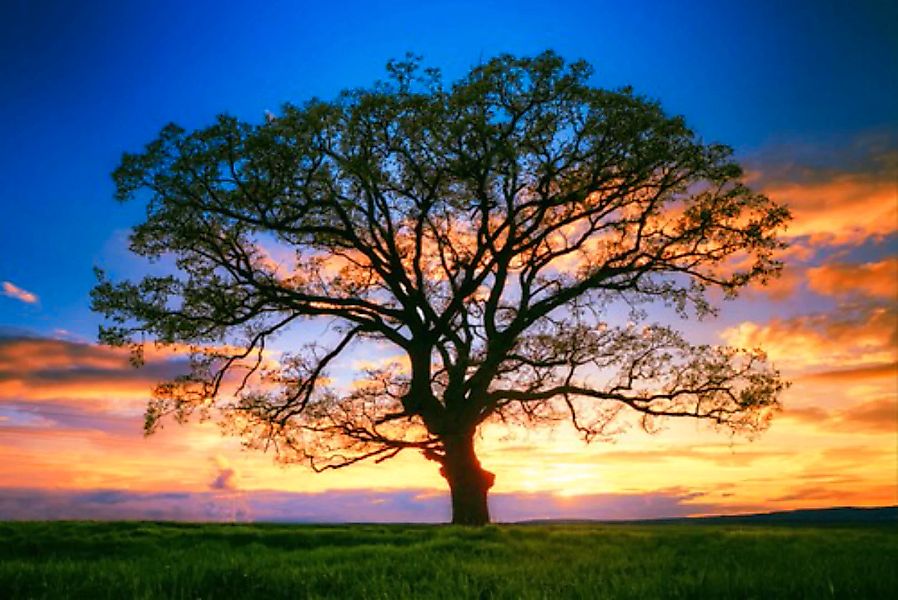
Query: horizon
point(805, 95)
point(316, 508)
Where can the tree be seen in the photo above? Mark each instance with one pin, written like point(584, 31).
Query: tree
point(484, 230)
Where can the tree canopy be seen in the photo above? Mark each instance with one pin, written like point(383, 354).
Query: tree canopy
point(489, 231)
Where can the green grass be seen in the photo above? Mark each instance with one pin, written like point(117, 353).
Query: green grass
point(152, 560)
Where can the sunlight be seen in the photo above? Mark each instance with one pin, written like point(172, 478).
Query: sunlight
point(561, 479)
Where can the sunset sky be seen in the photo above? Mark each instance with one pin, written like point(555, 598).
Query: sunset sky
point(805, 92)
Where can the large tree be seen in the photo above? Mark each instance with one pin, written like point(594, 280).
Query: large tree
point(486, 231)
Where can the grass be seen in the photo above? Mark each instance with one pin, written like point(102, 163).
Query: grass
point(169, 560)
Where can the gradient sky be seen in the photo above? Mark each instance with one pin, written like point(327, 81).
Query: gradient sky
point(806, 93)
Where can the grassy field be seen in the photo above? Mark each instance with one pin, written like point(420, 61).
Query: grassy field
point(151, 560)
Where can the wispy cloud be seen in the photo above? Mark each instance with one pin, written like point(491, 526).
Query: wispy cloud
point(10, 290)
point(825, 495)
point(874, 416)
point(864, 372)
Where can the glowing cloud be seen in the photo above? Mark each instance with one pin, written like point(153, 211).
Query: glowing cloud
point(862, 336)
point(11, 290)
point(875, 279)
point(847, 209)
point(843, 197)
point(875, 416)
point(41, 369)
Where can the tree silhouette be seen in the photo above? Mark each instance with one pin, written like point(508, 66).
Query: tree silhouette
point(483, 230)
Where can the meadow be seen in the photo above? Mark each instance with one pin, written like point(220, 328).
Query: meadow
point(171, 560)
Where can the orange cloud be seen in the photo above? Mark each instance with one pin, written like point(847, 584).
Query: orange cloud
point(51, 369)
point(794, 258)
point(841, 339)
point(846, 495)
point(889, 371)
point(40, 369)
point(780, 288)
point(847, 209)
point(34, 354)
point(12, 291)
point(837, 197)
point(399, 362)
point(875, 416)
point(874, 279)
point(878, 415)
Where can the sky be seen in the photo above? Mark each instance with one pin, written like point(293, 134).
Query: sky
point(805, 92)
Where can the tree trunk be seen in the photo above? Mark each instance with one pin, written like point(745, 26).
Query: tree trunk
point(468, 482)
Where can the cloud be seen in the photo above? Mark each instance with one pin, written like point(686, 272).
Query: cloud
point(828, 495)
point(40, 369)
point(66, 418)
point(34, 504)
point(10, 290)
point(859, 336)
point(877, 415)
point(400, 362)
point(795, 258)
point(874, 416)
point(780, 288)
point(849, 456)
point(846, 210)
point(837, 197)
point(404, 505)
point(887, 370)
point(872, 279)
point(225, 476)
